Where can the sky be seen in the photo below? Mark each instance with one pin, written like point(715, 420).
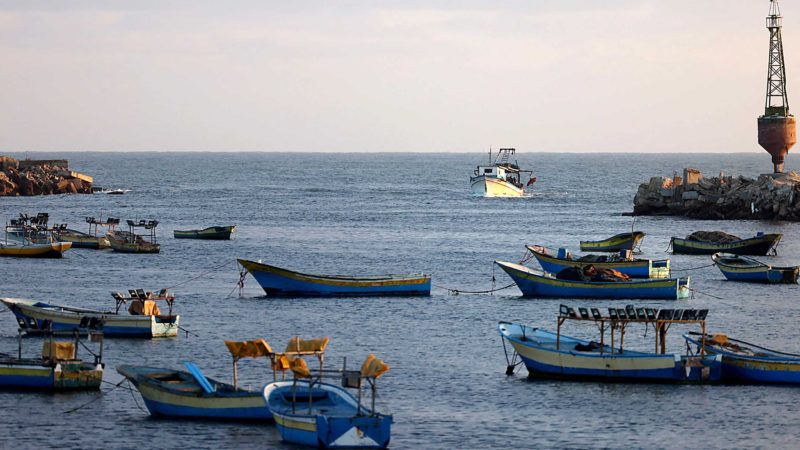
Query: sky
point(372, 76)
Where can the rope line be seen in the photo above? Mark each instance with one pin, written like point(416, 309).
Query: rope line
point(692, 268)
point(96, 398)
point(452, 291)
point(198, 276)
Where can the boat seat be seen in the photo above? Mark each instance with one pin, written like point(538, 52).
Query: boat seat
point(132, 293)
point(118, 296)
point(140, 293)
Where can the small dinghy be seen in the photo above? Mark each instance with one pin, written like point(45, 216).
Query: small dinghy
point(534, 283)
point(743, 362)
point(622, 241)
point(634, 268)
point(222, 233)
point(278, 281)
point(189, 394)
point(742, 268)
point(710, 242)
point(310, 412)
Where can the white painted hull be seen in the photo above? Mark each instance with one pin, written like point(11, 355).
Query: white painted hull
point(495, 187)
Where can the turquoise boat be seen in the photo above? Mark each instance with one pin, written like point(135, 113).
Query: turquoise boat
point(534, 283)
point(283, 282)
point(553, 355)
point(742, 268)
point(634, 268)
point(622, 241)
point(743, 362)
point(310, 412)
point(189, 394)
point(58, 369)
point(213, 233)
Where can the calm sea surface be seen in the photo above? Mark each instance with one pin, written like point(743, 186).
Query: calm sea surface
point(373, 214)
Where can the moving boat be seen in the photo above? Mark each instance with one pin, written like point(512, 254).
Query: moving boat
point(145, 319)
point(501, 178)
point(278, 281)
point(216, 233)
point(742, 268)
point(551, 354)
point(743, 362)
point(189, 394)
point(634, 268)
point(310, 412)
point(534, 283)
point(130, 242)
point(622, 241)
point(761, 244)
point(58, 369)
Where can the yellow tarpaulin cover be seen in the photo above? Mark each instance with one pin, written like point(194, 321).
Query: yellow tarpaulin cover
point(146, 308)
point(60, 351)
point(297, 345)
point(300, 368)
point(249, 349)
point(373, 367)
point(281, 363)
point(720, 338)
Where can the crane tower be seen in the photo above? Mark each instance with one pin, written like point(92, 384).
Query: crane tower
point(777, 127)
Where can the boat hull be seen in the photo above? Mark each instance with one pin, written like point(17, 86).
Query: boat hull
point(494, 187)
point(189, 403)
point(50, 250)
point(533, 284)
point(622, 241)
point(63, 377)
point(34, 318)
point(344, 428)
point(754, 369)
point(277, 281)
point(643, 268)
point(759, 245)
point(737, 268)
point(541, 358)
point(134, 247)
point(211, 233)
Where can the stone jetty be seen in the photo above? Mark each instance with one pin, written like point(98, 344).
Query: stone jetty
point(774, 196)
point(41, 177)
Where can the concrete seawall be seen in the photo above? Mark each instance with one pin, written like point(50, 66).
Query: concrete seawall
point(768, 197)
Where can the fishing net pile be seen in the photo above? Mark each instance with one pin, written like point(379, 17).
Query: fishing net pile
point(591, 273)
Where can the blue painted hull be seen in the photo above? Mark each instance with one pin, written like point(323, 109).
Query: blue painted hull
point(534, 284)
point(277, 281)
point(772, 368)
point(633, 272)
point(26, 382)
point(178, 411)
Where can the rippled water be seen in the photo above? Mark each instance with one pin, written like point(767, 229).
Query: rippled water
point(374, 213)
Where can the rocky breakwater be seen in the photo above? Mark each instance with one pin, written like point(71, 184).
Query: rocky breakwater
point(774, 196)
point(36, 177)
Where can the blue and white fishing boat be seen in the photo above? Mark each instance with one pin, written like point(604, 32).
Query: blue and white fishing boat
point(145, 319)
point(634, 268)
point(310, 412)
point(743, 362)
point(58, 369)
point(551, 354)
point(534, 283)
point(743, 268)
point(278, 281)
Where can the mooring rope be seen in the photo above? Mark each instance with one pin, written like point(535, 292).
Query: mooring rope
point(693, 268)
point(198, 276)
point(98, 397)
point(705, 293)
point(452, 291)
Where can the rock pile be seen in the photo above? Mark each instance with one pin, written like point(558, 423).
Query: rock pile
point(774, 196)
point(39, 179)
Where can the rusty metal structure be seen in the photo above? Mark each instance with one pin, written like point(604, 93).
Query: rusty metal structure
point(777, 129)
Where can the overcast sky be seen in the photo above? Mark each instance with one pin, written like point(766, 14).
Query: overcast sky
point(566, 75)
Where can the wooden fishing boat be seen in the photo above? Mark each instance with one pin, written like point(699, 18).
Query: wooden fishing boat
point(742, 268)
point(216, 233)
point(551, 354)
point(189, 394)
point(622, 241)
point(534, 283)
point(30, 250)
point(634, 268)
point(58, 369)
point(145, 320)
point(310, 412)
point(130, 242)
point(278, 281)
point(501, 178)
point(743, 362)
point(93, 239)
point(761, 244)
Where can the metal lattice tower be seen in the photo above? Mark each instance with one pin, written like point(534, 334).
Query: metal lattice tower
point(777, 104)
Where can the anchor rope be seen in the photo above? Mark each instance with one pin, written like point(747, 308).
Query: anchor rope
point(198, 276)
point(693, 268)
point(96, 398)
